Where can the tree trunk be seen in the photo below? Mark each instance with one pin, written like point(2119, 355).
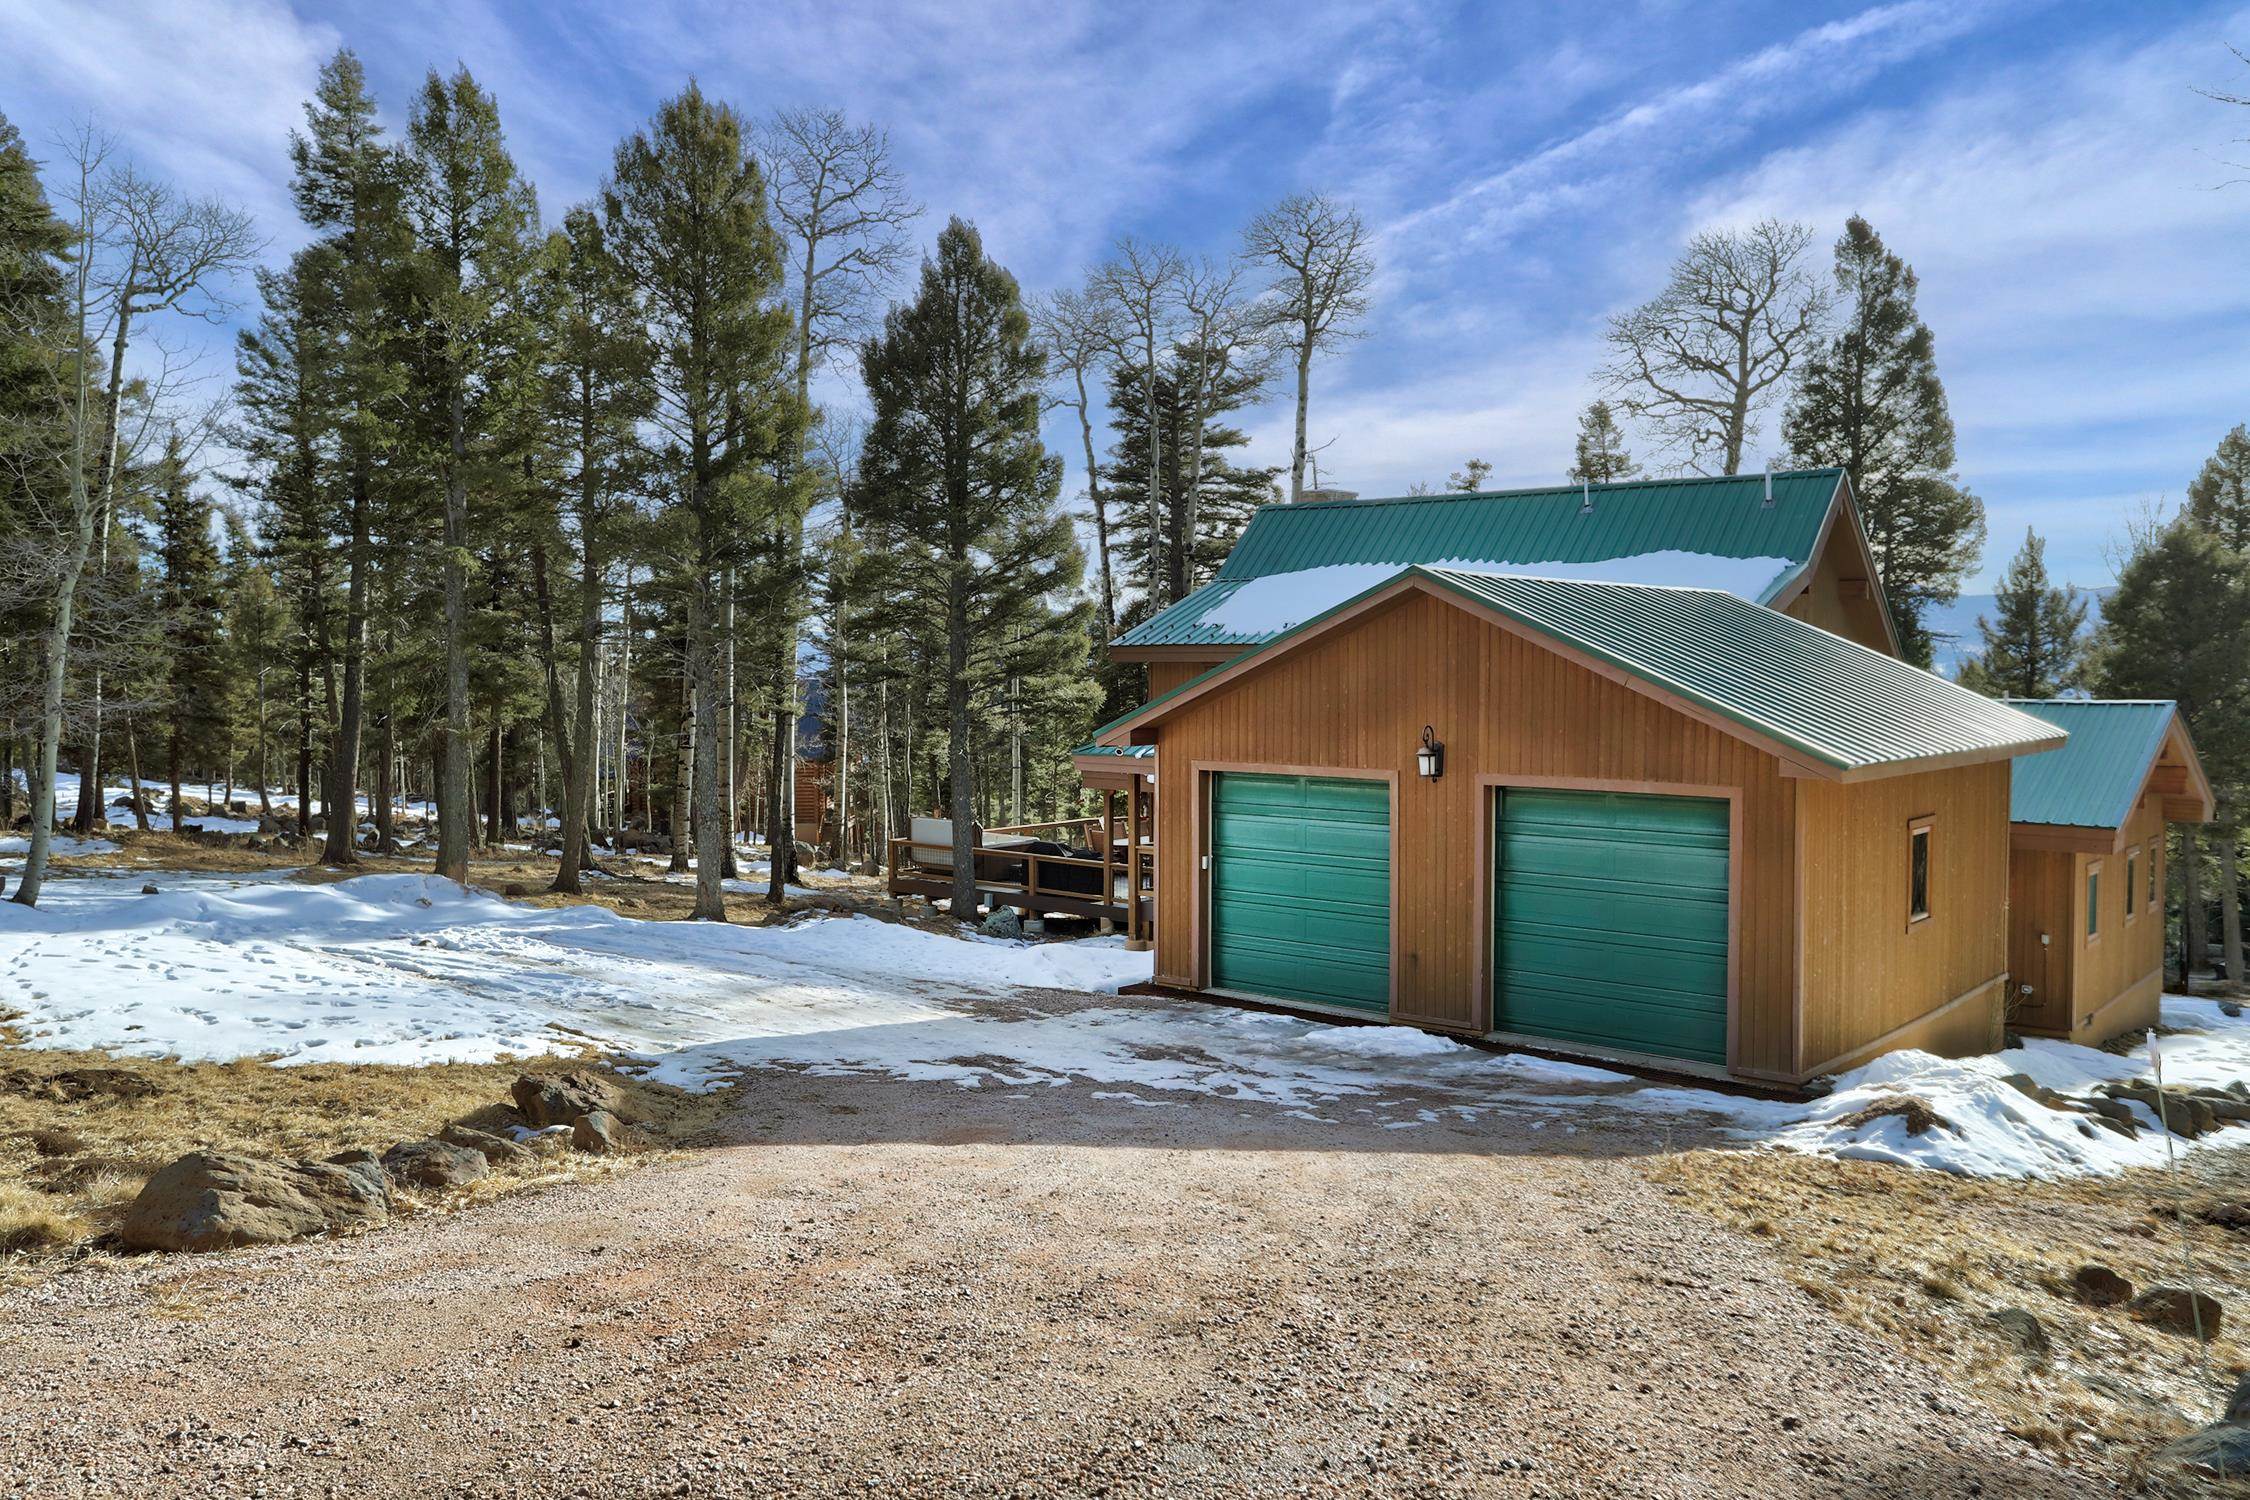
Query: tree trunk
point(1297, 453)
point(133, 769)
point(1101, 511)
point(172, 767)
point(342, 788)
point(708, 805)
point(960, 772)
point(386, 786)
point(496, 784)
point(733, 731)
point(2230, 898)
point(454, 827)
point(683, 754)
point(2195, 922)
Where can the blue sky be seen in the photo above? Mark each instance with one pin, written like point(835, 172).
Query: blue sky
point(1530, 169)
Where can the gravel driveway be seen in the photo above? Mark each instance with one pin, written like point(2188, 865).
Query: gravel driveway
point(902, 1288)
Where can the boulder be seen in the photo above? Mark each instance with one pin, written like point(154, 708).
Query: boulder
point(215, 1200)
point(560, 1098)
point(2020, 1328)
point(2098, 1286)
point(2219, 1451)
point(495, 1151)
point(2187, 1115)
point(2176, 1309)
point(597, 1133)
point(434, 1164)
point(515, 890)
point(149, 889)
point(2115, 1113)
point(1002, 922)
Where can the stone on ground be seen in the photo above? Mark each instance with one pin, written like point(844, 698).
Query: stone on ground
point(559, 1098)
point(2176, 1309)
point(598, 1133)
point(434, 1164)
point(216, 1200)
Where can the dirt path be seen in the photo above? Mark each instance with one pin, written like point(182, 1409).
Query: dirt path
point(917, 1289)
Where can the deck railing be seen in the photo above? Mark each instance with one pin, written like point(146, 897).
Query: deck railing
point(1020, 872)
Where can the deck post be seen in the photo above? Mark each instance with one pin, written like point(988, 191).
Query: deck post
point(1136, 940)
point(1109, 854)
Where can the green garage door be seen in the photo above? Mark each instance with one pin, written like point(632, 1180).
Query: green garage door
point(1610, 921)
point(1301, 888)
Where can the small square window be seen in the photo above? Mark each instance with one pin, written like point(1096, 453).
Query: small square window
point(1918, 873)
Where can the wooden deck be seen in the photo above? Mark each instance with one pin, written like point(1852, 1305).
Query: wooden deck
point(1119, 887)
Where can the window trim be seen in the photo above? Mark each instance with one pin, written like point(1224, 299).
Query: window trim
point(1921, 831)
point(2152, 899)
point(2091, 928)
point(2133, 857)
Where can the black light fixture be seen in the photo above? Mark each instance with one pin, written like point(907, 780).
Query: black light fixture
point(1430, 758)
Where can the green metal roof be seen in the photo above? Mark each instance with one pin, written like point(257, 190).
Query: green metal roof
point(2093, 781)
point(1571, 525)
point(1831, 700)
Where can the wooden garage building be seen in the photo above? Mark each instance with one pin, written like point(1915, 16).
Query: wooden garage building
point(2086, 900)
point(1667, 824)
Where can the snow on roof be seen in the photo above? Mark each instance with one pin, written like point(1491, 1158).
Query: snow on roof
point(1267, 606)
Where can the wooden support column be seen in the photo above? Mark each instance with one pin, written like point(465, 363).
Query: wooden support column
point(1136, 939)
point(1109, 854)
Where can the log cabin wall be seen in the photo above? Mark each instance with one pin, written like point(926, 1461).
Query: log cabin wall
point(1504, 706)
point(1873, 979)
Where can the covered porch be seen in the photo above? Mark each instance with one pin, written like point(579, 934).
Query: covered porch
point(1102, 868)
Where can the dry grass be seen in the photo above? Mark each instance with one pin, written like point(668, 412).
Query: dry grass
point(81, 1131)
point(1920, 1259)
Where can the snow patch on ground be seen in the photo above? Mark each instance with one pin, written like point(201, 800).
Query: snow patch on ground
point(1274, 603)
point(413, 969)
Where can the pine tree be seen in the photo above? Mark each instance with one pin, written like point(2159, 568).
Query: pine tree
point(2178, 626)
point(685, 212)
point(257, 637)
point(2037, 648)
point(1601, 453)
point(954, 477)
point(470, 212)
point(2218, 498)
point(1870, 402)
point(1470, 477)
point(195, 700)
point(1224, 494)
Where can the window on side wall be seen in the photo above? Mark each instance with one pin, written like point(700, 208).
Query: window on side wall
point(2132, 884)
point(1919, 837)
point(2155, 855)
point(2094, 901)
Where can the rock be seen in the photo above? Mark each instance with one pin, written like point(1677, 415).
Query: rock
point(434, 1164)
point(2020, 1328)
point(1002, 922)
point(515, 890)
point(495, 1151)
point(2115, 1113)
point(560, 1098)
point(2187, 1115)
point(2097, 1285)
point(2177, 1310)
point(149, 889)
point(215, 1200)
point(2229, 1215)
point(367, 1167)
point(1919, 1117)
point(2238, 1404)
point(2220, 1451)
point(597, 1133)
point(2230, 1010)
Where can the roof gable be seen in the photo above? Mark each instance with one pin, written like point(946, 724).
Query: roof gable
point(1753, 535)
point(1823, 703)
point(2095, 780)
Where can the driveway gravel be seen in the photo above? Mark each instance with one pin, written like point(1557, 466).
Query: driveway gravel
point(872, 1286)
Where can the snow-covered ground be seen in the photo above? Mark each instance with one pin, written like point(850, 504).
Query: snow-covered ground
point(412, 969)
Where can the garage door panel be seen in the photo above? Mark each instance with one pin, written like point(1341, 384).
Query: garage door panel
point(1301, 888)
point(1610, 920)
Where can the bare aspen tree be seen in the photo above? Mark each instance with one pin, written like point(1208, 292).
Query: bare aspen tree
point(1697, 363)
point(1317, 251)
point(1079, 331)
point(842, 210)
point(1222, 327)
point(1140, 285)
point(165, 253)
point(138, 250)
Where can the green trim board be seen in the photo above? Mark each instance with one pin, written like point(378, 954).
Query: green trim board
point(1610, 920)
point(1300, 888)
point(1813, 694)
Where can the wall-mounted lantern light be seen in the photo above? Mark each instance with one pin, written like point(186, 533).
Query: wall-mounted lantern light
point(1430, 759)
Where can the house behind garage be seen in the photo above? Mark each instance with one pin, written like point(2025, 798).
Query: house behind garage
point(2086, 907)
point(1720, 827)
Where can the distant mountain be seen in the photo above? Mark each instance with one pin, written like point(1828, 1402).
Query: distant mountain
point(1955, 624)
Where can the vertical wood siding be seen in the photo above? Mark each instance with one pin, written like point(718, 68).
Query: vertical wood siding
point(1867, 971)
point(2039, 905)
point(2128, 950)
point(1503, 706)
